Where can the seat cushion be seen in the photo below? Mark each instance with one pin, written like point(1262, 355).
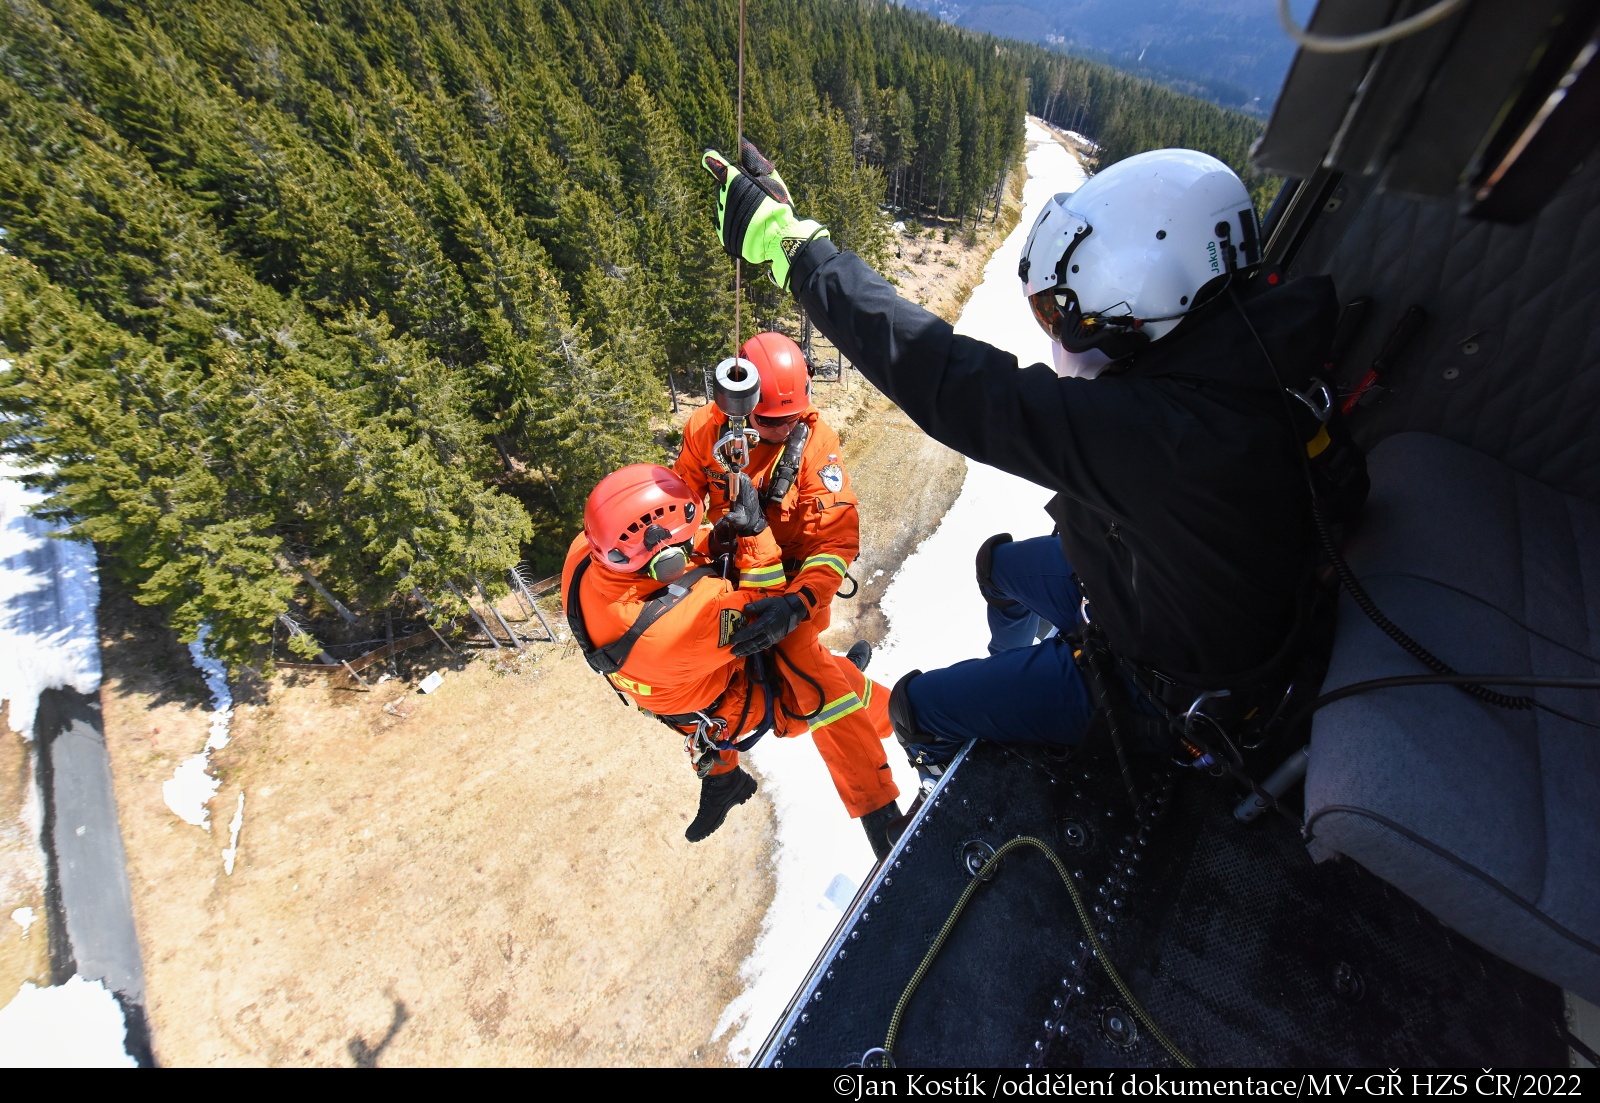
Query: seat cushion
point(1488, 817)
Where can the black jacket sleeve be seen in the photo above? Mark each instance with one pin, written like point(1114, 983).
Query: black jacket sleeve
point(974, 397)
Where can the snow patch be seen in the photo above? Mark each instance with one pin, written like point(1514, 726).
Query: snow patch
point(189, 790)
point(234, 826)
point(820, 855)
point(23, 917)
point(74, 1025)
point(49, 589)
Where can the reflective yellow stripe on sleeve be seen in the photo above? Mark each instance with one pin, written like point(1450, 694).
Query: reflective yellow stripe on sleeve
point(761, 578)
point(831, 561)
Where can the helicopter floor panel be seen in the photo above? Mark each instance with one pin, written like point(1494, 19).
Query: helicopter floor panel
point(1243, 951)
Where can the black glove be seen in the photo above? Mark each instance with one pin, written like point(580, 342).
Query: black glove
point(767, 621)
point(746, 517)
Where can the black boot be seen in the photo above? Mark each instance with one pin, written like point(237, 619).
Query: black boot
point(718, 795)
point(860, 654)
point(880, 828)
point(927, 752)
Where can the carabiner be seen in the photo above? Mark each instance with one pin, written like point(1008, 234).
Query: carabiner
point(1318, 399)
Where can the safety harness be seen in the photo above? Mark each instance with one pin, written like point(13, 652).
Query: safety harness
point(709, 733)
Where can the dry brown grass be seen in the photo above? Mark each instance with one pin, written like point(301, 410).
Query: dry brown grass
point(24, 955)
point(497, 871)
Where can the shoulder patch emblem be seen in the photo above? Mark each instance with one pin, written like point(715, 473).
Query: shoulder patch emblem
point(732, 621)
point(832, 477)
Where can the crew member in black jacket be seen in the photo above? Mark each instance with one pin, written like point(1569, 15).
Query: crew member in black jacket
point(1182, 512)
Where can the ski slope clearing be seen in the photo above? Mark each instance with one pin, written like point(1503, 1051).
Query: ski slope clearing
point(935, 618)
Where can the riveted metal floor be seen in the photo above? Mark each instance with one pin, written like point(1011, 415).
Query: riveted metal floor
point(1243, 950)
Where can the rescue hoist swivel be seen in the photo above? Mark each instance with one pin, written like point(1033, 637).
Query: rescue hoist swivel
point(738, 390)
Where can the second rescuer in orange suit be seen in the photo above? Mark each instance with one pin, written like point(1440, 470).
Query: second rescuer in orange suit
point(661, 618)
point(812, 514)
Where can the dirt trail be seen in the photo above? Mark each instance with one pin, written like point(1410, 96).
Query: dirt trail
point(493, 874)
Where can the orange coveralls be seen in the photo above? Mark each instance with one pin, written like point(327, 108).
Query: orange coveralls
point(681, 664)
point(818, 529)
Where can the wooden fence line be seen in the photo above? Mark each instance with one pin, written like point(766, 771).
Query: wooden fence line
point(405, 643)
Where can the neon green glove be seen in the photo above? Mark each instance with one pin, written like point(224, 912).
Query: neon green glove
point(754, 218)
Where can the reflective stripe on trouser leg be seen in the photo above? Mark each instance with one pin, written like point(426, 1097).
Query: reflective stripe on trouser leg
point(850, 740)
point(840, 708)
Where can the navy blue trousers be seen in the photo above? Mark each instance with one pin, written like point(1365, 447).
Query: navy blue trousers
point(1024, 692)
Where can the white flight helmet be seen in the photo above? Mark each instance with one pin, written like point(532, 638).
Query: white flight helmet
point(1119, 262)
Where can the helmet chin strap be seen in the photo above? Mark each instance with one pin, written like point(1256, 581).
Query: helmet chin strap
point(1078, 365)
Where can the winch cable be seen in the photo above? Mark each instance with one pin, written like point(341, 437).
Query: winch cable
point(1096, 948)
point(738, 156)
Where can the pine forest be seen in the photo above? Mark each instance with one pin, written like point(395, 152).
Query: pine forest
point(359, 298)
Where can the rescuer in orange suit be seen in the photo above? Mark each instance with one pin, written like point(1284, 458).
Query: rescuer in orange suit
point(812, 512)
point(650, 598)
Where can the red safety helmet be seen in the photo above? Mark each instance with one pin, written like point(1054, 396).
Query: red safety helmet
point(785, 378)
point(637, 513)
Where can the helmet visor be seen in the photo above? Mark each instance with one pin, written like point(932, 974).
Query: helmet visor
point(1060, 315)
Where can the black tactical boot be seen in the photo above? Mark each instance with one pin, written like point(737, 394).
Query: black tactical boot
point(718, 795)
point(860, 654)
point(927, 752)
point(880, 825)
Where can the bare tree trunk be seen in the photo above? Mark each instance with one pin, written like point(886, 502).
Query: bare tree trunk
point(388, 630)
point(476, 618)
point(427, 610)
point(483, 593)
point(505, 457)
point(295, 630)
point(322, 591)
point(533, 604)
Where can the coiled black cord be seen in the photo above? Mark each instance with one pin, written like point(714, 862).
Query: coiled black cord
point(1347, 578)
point(822, 694)
point(1364, 602)
point(1451, 679)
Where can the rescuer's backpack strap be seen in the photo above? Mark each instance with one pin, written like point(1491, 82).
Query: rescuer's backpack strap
point(609, 659)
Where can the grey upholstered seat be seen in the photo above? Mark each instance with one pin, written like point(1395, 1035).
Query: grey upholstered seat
point(1489, 818)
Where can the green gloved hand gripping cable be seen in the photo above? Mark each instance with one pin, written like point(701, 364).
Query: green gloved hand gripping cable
point(755, 220)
